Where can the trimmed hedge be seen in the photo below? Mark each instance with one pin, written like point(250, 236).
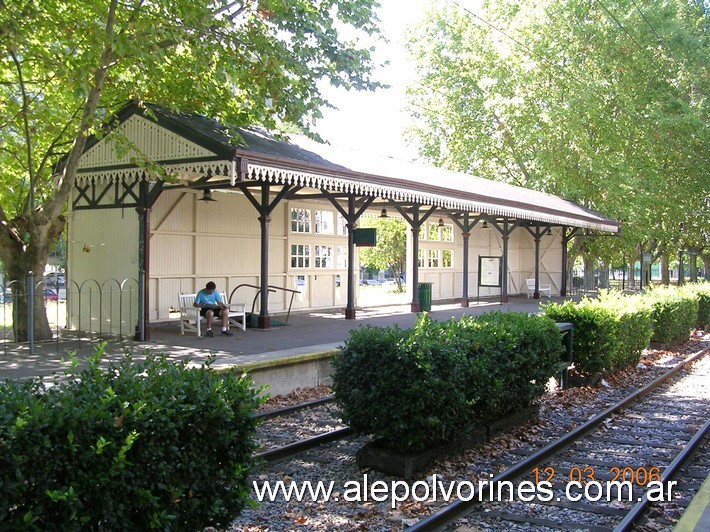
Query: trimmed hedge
point(420, 387)
point(610, 332)
point(701, 291)
point(140, 445)
point(675, 313)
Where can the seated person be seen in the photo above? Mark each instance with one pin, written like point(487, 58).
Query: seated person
point(210, 303)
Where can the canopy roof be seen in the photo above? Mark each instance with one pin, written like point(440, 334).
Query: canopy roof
point(260, 156)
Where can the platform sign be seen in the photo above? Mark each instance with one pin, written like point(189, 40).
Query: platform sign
point(489, 271)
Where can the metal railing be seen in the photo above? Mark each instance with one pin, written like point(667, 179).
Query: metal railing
point(87, 310)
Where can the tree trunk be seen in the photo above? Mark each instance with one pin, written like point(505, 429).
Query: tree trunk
point(18, 275)
point(603, 275)
point(20, 258)
point(665, 269)
point(589, 264)
point(631, 283)
point(693, 268)
point(706, 266)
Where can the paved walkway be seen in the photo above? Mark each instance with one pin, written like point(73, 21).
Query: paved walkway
point(305, 333)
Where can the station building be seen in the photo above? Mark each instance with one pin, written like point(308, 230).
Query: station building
point(169, 200)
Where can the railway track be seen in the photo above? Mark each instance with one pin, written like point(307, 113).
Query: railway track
point(644, 439)
point(319, 426)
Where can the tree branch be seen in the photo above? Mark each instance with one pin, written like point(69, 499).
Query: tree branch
point(29, 203)
point(66, 182)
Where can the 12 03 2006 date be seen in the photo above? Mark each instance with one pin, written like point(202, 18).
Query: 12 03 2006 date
point(640, 476)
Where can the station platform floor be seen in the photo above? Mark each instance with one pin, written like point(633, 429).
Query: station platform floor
point(305, 333)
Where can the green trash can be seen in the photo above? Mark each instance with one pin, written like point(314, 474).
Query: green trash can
point(425, 296)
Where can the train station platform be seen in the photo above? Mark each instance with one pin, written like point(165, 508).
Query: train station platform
point(306, 334)
point(696, 517)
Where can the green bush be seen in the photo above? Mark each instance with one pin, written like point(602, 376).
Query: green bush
point(675, 313)
point(701, 291)
point(633, 329)
point(140, 445)
point(512, 355)
point(594, 335)
point(416, 388)
point(610, 332)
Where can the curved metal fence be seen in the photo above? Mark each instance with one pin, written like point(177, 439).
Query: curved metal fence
point(90, 309)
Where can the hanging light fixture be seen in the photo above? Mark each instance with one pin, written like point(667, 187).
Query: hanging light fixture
point(383, 213)
point(441, 222)
point(206, 195)
point(485, 224)
point(549, 232)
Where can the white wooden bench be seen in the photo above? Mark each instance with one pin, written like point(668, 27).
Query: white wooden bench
point(190, 318)
point(544, 288)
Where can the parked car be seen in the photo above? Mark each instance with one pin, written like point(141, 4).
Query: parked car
point(50, 295)
point(6, 297)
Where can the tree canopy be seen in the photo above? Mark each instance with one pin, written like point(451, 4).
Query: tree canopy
point(67, 65)
point(604, 103)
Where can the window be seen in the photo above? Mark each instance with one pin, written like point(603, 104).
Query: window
point(447, 233)
point(447, 258)
point(341, 258)
point(342, 225)
point(300, 256)
point(300, 220)
point(324, 256)
point(324, 222)
point(433, 258)
point(420, 258)
point(433, 231)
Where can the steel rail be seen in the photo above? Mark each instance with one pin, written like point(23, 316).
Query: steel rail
point(293, 408)
point(459, 508)
point(668, 473)
point(303, 445)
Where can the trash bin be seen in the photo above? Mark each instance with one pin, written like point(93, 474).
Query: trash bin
point(425, 296)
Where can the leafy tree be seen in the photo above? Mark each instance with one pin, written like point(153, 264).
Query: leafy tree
point(390, 253)
point(67, 65)
point(604, 103)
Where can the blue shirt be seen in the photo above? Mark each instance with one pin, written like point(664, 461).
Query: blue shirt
point(205, 298)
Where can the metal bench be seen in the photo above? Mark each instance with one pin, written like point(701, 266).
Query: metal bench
point(190, 319)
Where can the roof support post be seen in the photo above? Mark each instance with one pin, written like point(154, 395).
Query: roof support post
point(466, 226)
point(505, 232)
point(416, 220)
point(264, 321)
point(146, 199)
point(350, 305)
point(264, 206)
point(351, 216)
point(537, 235)
point(566, 237)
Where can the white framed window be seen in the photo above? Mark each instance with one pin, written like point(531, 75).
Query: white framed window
point(447, 258)
point(433, 231)
point(324, 256)
point(433, 258)
point(300, 256)
point(341, 257)
point(420, 258)
point(447, 233)
point(341, 226)
point(300, 220)
point(324, 222)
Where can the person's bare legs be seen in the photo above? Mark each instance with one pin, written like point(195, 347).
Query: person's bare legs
point(208, 316)
point(225, 319)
